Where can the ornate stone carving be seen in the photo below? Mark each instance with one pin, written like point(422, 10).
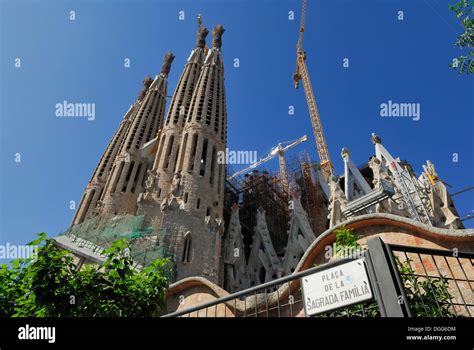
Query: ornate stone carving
point(176, 185)
point(167, 60)
point(151, 181)
point(395, 205)
point(376, 138)
point(380, 172)
point(201, 37)
point(337, 202)
point(98, 208)
point(440, 202)
point(151, 185)
point(217, 36)
point(146, 82)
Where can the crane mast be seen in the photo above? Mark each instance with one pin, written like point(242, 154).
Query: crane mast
point(283, 173)
point(302, 74)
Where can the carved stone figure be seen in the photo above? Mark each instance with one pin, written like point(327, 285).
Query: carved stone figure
point(98, 208)
point(337, 202)
point(395, 205)
point(176, 185)
point(151, 184)
point(151, 181)
point(335, 189)
point(376, 138)
point(379, 171)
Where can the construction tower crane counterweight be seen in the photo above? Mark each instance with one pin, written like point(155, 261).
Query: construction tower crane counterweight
point(303, 75)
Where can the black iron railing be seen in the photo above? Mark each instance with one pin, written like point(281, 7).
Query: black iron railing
point(437, 282)
point(278, 298)
point(406, 282)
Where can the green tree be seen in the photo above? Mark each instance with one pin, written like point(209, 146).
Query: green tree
point(464, 11)
point(427, 297)
point(49, 284)
point(346, 242)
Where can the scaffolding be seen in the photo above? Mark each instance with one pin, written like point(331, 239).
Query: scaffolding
point(413, 194)
point(260, 189)
point(146, 243)
point(303, 180)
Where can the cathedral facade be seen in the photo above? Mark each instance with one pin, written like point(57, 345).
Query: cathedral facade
point(161, 184)
point(160, 173)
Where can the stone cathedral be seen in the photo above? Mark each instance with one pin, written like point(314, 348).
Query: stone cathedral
point(158, 182)
point(160, 185)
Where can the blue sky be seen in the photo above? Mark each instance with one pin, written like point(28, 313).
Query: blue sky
point(82, 61)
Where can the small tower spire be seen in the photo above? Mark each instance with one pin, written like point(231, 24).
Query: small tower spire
point(171, 135)
point(201, 34)
point(166, 66)
point(217, 36)
point(126, 179)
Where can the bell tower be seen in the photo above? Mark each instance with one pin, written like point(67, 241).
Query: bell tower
point(127, 177)
point(193, 207)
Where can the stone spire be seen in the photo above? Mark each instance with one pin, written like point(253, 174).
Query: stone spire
point(170, 136)
point(166, 66)
point(128, 175)
point(217, 36)
point(201, 37)
point(192, 207)
point(94, 190)
point(204, 136)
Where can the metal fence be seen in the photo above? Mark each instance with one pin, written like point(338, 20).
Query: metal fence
point(437, 282)
point(278, 298)
point(406, 281)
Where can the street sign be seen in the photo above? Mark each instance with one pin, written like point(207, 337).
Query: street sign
point(336, 287)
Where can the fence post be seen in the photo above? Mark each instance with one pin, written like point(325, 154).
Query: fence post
point(384, 272)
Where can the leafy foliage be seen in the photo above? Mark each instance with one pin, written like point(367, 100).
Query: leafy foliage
point(50, 285)
point(345, 237)
point(346, 242)
point(464, 11)
point(427, 297)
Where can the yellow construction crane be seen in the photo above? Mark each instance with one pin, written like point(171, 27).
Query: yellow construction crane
point(302, 74)
point(279, 150)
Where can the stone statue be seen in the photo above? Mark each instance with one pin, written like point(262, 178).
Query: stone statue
point(396, 205)
point(167, 60)
point(337, 202)
point(173, 199)
point(376, 138)
point(150, 182)
point(217, 36)
point(98, 208)
point(379, 171)
point(336, 192)
point(176, 185)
